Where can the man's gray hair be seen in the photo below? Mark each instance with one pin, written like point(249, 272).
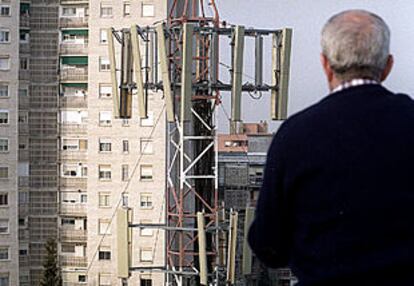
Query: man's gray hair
point(355, 46)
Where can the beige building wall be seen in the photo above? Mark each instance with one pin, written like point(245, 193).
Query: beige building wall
point(145, 193)
point(9, 75)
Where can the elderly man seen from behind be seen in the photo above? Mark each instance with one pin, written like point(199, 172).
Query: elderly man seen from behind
point(337, 200)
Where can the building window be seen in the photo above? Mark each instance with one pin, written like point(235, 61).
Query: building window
point(24, 37)
point(105, 145)
point(68, 222)
point(24, 64)
point(4, 145)
point(105, 279)
point(82, 278)
point(4, 226)
point(145, 282)
point(104, 172)
point(103, 36)
point(104, 200)
point(146, 146)
point(4, 173)
point(74, 170)
point(4, 36)
point(4, 63)
point(83, 198)
point(4, 116)
point(146, 255)
point(105, 91)
point(127, 9)
point(5, 10)
point(125, 174)
point(4, 90)
point(69, 11)
point(146, 172)
point(125, 146)
point(104, 253)
point(70, 144)
point(146, 231)
point(105, 118)
point(145, 201)
point(23, 252)
point(148, 10)
point(4, 253)
point(149, 121)
point(106, 10)
point(4, 279)
point(23, 117)
point(104, 227)
point(104, 64)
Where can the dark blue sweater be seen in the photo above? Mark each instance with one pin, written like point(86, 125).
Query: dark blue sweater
point(337, 202)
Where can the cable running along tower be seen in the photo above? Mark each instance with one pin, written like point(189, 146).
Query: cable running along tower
point(181, 57)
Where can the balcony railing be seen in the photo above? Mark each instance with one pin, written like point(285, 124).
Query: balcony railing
point(24, 48)
point(72, 235)
point(73, 261)
point(74, 49)
point(24, 21)
point(74, 1)
point(24, 74)
point(73, 209)
point(79, 183)
point(24, 155)
point(23, 181)
point(74, 22)
point(24, 102)
point(75, 74)
point(73, 102)
point(73, 128)
point(76, 155)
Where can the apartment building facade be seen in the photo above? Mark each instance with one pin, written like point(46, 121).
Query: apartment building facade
point(66, 164)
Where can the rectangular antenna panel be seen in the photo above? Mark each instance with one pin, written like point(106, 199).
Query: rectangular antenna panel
point(136, 52)
point(114, 79)
point(186, 73)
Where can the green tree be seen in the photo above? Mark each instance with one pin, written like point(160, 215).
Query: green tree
point(51, 272)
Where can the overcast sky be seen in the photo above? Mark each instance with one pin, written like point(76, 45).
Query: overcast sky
point(306, 17)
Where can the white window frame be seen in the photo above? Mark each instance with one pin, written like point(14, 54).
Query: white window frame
point(4, 148)
point(108, 7)
point(145, 13)
point(146, 146)
point(5, 57)
point(126, 10)
point(105, 90)
point(146, 231)
point(4, 90)
point(104, 199)
point(104, 227)
point(105, 172)
point(7, 7)
point(144, 171)
point(7, 248)
point(26, 38)
point(145, 201)
point(7, 173)
point(105, 118)
point(5, 111)
point(104, 64)
point(7, 35)
point(103, 36)
point(125, 146)
point(105, 142)
point(124, 172)
point(69, 15)
point(149, 121)
point(4, 226)
point(146, 255)
point(24, 63)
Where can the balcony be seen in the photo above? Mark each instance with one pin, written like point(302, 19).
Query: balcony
point(24, 21)
point(23, 181)
point(73, 235)
point(24, 209)
point(23, 128)
point(73, 261)
point(77, 156)
point(74, 74)
point(24, 48)
point(24, 74)
point(74, 49)
point(72, 129)
point(24, 155)
point(74, 1)
point(73, 102)
point(73, 209)
point(74, 22)
point(78, 183)
point(24, 102)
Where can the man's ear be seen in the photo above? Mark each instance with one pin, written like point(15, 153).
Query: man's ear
point(327, 68)
point(388, 68)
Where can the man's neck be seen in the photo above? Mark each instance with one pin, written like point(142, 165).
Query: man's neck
point(352, 83)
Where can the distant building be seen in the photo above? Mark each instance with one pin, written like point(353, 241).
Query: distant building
point(242, 158)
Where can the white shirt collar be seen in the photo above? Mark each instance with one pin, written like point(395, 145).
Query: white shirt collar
point(353, 83)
